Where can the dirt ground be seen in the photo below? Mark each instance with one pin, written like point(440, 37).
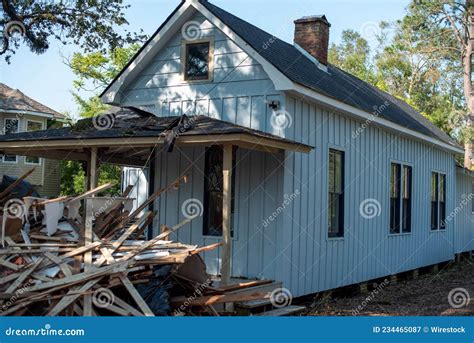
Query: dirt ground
point(425, 296)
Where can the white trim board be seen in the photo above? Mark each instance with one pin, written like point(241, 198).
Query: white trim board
point(363, 115)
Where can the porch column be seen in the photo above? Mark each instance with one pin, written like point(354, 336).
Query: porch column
point(88, 232)
point(226, 215)
point(92, 169)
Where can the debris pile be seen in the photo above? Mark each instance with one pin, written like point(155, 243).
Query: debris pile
point(87, 255)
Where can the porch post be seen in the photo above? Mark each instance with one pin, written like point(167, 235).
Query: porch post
point(92, 183)
point(226, 215)
point(92, 169)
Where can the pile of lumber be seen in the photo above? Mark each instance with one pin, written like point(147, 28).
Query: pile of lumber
point(87, 255)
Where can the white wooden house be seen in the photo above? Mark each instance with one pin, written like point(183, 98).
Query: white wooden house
point(309, 175)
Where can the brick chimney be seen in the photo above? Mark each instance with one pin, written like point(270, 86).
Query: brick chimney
point(312, 34)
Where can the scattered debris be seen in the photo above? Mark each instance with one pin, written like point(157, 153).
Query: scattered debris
point(88, 256)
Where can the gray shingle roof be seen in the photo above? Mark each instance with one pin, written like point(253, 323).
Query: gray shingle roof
point(132, 122)
point(334, 83)
point(14, 100)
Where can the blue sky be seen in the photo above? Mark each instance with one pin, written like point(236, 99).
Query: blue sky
point(47, 79)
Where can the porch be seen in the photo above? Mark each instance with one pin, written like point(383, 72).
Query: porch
point(132, 137)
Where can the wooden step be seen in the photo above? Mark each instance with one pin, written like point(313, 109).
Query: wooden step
point(269, 287)
point(280, 312)
point(252, 304)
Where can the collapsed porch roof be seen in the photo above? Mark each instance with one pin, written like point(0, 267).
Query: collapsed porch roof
point(127, 136)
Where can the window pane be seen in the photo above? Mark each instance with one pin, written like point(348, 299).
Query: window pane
point(214, 189)
point(434, 201)
point(11, 126)
point(34, 126)
point(407, 186)
point(395, 192)
point(197, 61)
point(442, 202)
point(32, 160)
point(10, 158)
point(336, 194)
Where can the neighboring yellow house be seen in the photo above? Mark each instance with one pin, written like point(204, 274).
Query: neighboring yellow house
point(19, 113)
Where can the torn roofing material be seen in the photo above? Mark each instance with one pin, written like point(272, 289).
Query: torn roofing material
point(133, 122)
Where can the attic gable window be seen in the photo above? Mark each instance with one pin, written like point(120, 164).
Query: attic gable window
point(197, 61)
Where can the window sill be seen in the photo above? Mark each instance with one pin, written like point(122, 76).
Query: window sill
point(217, 238)
point(192, 82)
point(401, 234)
point(438, 231)
point(335, 239)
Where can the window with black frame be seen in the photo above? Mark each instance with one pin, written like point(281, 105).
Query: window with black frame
point(442, 201)
point(197, 61)
point(336, 194)
point(395, 196)
point(214, 191)
point(438, 201)
point(406, 199)
point(400, 198)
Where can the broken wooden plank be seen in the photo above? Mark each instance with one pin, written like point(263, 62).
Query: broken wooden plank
point(65, 268)
point(218, 299)
point(91, 192)
point(25, 274)
point(123, 237)
point(71, 296)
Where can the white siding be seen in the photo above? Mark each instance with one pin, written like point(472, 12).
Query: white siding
point(311, 261)
point(464, 214)
point(257, 194)
point(294, 248)
point(237, 93)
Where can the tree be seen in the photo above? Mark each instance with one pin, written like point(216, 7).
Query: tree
point(444, 29)
point(353, 55)
point(90, 24)
point(93, 72)
point(397, 67)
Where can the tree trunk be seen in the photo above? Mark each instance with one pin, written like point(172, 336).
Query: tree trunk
point(468, 89)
